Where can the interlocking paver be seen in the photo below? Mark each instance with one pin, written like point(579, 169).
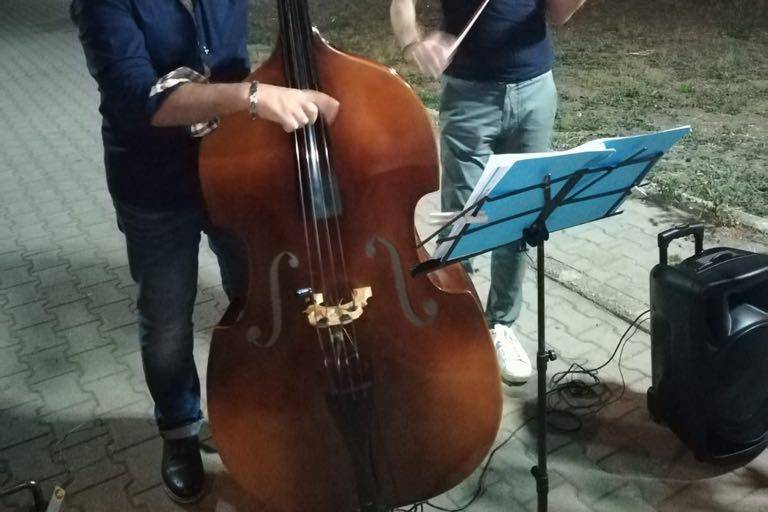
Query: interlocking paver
point(89, 463)
point(92, 275)
point(15, 391)
point(33, 460)
point(61, 294)
point(109, 495)
point(627, 497)
point(21, 294)
point(123, 273)
point(21, 424)
point(10, 362)
point(61, 392)
point(30, 234)
point(126, 339)
point(113, 391)
point(14, 277)
point(105, 293)
point(85, 337)
point(137, 380)
point(78, 257)
point(142, 461)
point(131, 425)
point(565, 496)
point(115, 315)
point(35, 245)
point(73, 313)
point(97, 364)
point(28, 315)
point(6, 338)
point(8, 243)
point(75, 425)
point(11, 259)
point(49, 363)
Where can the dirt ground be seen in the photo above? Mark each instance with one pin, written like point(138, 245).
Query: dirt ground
point(623, 67)
point(628, 66)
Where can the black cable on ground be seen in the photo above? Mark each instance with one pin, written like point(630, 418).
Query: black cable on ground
point(588, 396)
point(578, 392)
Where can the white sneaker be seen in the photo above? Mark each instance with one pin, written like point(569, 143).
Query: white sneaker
point(513, 361)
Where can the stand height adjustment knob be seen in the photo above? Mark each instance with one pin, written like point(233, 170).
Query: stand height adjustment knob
point(551, 355)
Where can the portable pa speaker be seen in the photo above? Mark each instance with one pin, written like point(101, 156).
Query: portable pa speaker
point(709, 348)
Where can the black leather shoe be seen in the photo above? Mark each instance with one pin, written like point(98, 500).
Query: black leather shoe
point(182, 469)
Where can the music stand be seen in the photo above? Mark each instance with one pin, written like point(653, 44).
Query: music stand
point(534, 196)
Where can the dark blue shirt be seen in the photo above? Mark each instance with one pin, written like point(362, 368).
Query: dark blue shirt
point(128, 45)
point(508, 43)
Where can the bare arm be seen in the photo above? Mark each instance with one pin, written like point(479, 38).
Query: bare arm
point(560, 11)
point(402, 14)
point(431, 53)
point(291, 108)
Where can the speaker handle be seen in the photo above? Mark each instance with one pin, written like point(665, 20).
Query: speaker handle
point(665, 237)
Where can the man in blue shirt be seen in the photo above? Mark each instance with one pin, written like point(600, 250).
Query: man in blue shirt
point(166, 70)
point(498, 97)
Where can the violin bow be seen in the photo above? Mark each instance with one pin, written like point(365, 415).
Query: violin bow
point(460, 38)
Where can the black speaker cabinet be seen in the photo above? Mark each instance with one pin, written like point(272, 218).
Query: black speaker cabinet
point(709, 348)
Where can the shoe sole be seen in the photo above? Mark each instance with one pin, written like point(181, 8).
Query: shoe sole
point(513, 383)
point(184, 501)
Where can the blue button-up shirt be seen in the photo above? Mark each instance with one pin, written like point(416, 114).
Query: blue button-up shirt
point(128, 45)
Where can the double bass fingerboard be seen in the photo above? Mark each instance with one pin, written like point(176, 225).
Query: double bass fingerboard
point(318, 186)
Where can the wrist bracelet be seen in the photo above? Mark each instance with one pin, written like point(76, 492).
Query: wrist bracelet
point(253, 100)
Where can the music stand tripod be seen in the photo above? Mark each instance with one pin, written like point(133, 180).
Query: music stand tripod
point(576, 188)
point(34, 488)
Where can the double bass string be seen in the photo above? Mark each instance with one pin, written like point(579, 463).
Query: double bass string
point(304, 61)
point(290, 72)
point(307, 156)
point(311, 161)
point(325, 144)
point(320, 130)
point(285, 30)
point(291, 56)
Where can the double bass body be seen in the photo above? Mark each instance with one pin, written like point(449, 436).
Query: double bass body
point(422, 403)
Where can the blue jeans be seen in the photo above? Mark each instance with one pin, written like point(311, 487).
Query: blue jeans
point(478, 119)
point(163, 260)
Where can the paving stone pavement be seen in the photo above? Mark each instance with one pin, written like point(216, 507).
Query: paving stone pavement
point(74, 409)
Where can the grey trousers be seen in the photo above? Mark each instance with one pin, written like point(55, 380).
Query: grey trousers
point(478, 119)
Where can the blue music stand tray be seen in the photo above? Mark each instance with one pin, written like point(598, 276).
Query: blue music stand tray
point(535, 195)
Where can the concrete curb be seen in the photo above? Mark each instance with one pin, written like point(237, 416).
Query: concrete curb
point(620, 306)
point(701, 206)
point(623, 306)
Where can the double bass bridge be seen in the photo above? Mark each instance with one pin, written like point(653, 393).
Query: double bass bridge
point(324, 316)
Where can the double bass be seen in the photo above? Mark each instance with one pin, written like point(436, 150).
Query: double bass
point(340, 383)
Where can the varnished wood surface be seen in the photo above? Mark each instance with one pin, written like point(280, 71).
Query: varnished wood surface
point(436, 387)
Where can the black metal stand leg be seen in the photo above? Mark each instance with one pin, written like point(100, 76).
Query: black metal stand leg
point(34, 488)
point(543, 357)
